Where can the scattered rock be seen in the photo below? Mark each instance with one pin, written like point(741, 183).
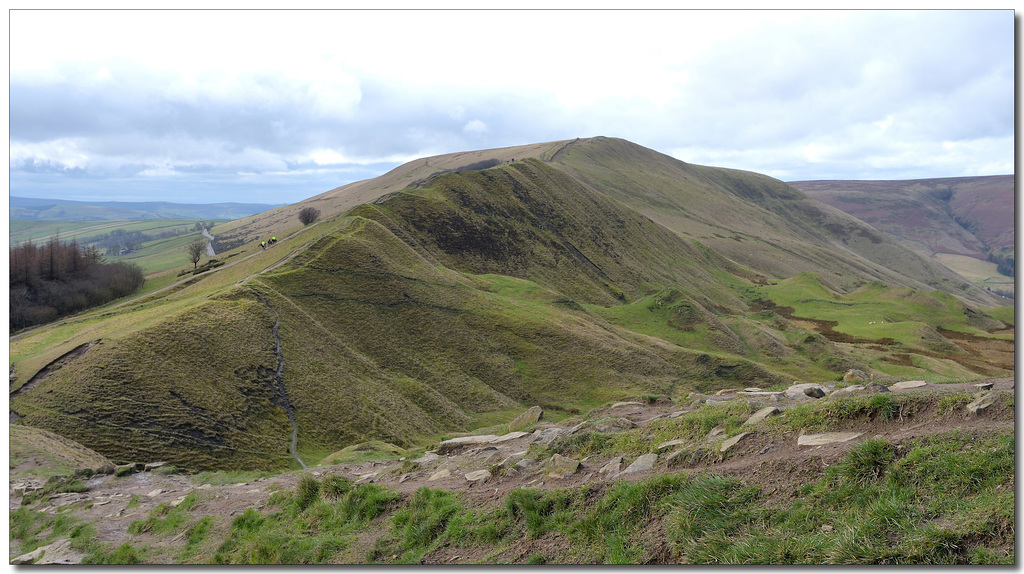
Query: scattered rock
point(427, 458)
point(983, 386)
point(825, 438)
point(443, 473)
point(980, 404)
point(612, 467)
point(529, 417)
point(714, 403)
point(772, 396)
point(847, 391)
point(154, 493)
point(873, 387)
point(627, 404)
point(855, 375)
point(715, 433)
point(512, 459)
point(908, 385)
point(671, 443)
point(181, 499)
point(725, 392)
point(562, 467)
point(813, 390)
point(677, 414)
point(153, 465)
point(106, 469)
point(613, 425)
point(510, 436)
point(733, 441)
point(453, 444)
point(671, 459)
point(545, 437)
point(58, 552)
point(762, 415)
point(478, 476)
point(124, 470)
point(642, 463)
point(526, 463)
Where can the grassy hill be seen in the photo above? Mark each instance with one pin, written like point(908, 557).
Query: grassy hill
point(441, 297)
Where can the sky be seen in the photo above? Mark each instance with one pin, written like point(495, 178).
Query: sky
point(276, 106)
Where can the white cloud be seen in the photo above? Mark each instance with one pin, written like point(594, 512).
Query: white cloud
point(795, 94)
point(475, 127)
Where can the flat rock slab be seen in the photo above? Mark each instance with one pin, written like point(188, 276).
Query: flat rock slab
point(627, 404)
point(544, 437)
point(427, 458)
point(772, 396)
point(813, 390)
point(513, 459)
point(671, 443)
point(451, 444)
point(642, 463)
point(715, 433)
point(478, 475)
point(59, 552)
point(444, 473)
point(826, 438)
point(982, 403)
point(529, 417)
point(762, 415)
point(612, 467)
point(983, 386)
point(733, 441)
point(510, 436)
point(562, 467)
point(908, 385)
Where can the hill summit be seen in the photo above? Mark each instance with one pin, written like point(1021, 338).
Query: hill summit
point(457, 290)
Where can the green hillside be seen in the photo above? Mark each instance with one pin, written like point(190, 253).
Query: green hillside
point(476, 292)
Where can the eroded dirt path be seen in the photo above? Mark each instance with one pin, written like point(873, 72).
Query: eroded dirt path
point(772, 460)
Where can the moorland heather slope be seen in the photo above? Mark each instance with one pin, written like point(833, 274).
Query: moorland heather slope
point(959, 215)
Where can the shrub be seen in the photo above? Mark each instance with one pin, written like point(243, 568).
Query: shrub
point(308, 215)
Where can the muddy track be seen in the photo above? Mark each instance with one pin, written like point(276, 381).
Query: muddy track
point(277, 388)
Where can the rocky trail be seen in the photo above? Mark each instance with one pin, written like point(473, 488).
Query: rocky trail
point(487, 467)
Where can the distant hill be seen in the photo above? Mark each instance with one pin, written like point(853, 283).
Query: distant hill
point(971, 216)
point(28, 208)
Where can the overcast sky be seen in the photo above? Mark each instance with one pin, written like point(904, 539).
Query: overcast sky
point(277, 106)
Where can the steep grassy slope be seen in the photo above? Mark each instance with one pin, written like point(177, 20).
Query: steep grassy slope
point(469, 292)
point(758, 221)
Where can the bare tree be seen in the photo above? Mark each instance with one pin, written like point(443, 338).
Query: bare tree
point(308, 215)
point(195, 251)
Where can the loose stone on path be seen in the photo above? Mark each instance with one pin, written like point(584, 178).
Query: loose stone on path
point(826, 438)
point(529, 417)
point(642, 463)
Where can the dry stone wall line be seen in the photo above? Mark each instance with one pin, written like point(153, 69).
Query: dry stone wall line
point(277, 387)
